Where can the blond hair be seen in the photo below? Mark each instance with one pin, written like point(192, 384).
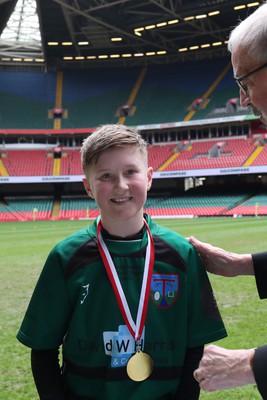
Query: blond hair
point(109, 136)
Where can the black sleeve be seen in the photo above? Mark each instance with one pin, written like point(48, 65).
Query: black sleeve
point(259, 369)
point(189, 388)
point(47, 374)
point(260, 268)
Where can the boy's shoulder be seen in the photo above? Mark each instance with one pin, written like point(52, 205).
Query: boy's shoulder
point(74, 241)
point(168, 234)
point(169, 239)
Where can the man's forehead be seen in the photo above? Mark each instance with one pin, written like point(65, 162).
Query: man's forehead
point(241, 62)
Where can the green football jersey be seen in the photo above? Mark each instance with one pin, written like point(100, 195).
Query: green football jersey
point(74, 305)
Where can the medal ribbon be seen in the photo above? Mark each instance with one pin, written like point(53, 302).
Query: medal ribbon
point(136, 329)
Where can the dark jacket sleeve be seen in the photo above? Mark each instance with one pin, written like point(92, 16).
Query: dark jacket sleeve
point(189, 388)
point(259, 369)
point(47, 374)
point(260, 268)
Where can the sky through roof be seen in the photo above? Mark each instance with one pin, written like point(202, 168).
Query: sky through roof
point(23, 25)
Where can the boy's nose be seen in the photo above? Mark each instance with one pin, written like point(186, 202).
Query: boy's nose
point(121, 183)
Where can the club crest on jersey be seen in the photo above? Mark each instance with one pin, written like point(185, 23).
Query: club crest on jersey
point(164, 289)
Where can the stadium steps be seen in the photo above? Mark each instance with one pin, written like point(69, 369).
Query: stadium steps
point(206, 95)
point(56, 166)
point(246, 199)
point(253, 156)
point(13, 214)
point(134, 92)
point(56, 209)
point(3, 170)
point(59, 90)
point(254, 205)
point(8, 213)
point(169, 161)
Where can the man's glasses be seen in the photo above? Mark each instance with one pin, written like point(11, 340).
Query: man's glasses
point(241, 85)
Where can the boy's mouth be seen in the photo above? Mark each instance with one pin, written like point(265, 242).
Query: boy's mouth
point(121, 199)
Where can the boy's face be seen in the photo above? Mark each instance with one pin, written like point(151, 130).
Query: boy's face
point(119, 182)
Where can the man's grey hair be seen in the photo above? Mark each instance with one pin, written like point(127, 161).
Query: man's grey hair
point(251, 35)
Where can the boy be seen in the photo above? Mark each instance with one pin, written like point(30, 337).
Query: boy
point(128, 300)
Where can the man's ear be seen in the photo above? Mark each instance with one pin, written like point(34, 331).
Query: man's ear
point(87, 187)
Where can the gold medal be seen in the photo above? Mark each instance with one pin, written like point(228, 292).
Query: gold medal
point(139, 366)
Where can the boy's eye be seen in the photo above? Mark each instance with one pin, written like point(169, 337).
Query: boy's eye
point(130, 171)
point(106, 176)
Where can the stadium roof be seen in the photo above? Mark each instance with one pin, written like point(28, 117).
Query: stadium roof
point(83, 33)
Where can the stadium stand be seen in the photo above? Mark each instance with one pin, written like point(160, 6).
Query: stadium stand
point(25, 209)
point(196, 202)
point(158, 155)
point(213, 154)
point(25, 98)
point(157, 95)
point(71, 162)
point(255, 205)
point(28, 162)
point(205, 154)
point(92, 98)
point(261, 158)
point(82, 207)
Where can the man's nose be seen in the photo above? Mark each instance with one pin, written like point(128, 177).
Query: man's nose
point(244, 99)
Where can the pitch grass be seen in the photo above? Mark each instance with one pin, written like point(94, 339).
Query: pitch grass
point(24, 247)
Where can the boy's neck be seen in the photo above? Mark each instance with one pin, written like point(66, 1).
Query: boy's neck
point(137, 236)
point(122, 229)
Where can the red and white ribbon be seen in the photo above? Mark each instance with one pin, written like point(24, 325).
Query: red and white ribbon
point(136, 328)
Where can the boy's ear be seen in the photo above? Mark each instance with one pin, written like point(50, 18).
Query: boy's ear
point(87, 188)
point(149, 178)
